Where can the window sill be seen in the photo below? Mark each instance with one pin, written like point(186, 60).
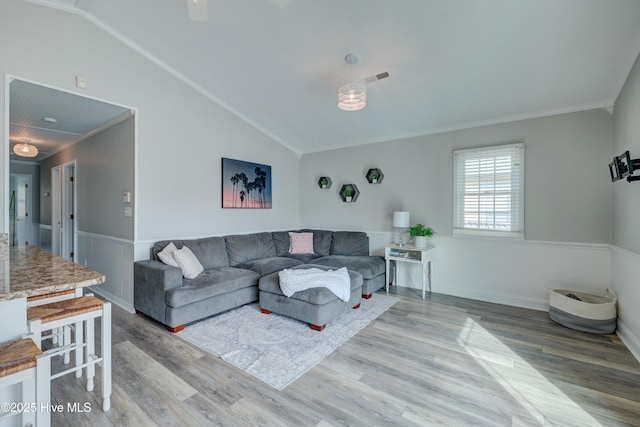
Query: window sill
point(490, 234)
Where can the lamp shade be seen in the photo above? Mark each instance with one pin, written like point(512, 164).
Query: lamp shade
point(25, 150)
point(401, 219)
point(352, 97)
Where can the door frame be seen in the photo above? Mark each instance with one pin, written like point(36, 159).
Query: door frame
point(4, 225)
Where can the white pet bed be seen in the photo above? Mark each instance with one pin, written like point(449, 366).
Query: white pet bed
point(582, 311)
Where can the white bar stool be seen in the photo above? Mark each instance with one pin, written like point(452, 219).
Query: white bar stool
point(65, 333)
point(21, 361)
point(78, 311)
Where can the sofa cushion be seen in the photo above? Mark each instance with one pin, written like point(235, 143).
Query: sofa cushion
point(305, 258)
point(266, 266)
point(210, 251)
point(368, 266)
point(350, 243)
point(281, 242)
point(209, 283)
point(321, 241)
point(301, 243)
point(188, 262)
point(248, 247)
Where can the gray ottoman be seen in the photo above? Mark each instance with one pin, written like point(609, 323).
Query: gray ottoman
point(316, 306)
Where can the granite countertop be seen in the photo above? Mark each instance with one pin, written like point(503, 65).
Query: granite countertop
point(28, 271)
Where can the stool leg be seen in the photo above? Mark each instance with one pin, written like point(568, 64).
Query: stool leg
point(90, 352)
point(43, 390)
point(78, 340)
point(35, 331)
point(106, 356)
point(54, 338)
point(28, 393)
point(66, 341)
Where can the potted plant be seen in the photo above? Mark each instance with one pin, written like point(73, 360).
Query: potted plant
point(420, 233)
point(374, 177)
point(348, 194)
point(323, 182)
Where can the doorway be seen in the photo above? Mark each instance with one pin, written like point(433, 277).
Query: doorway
point(63, 210)
point(20, 227)
point(66, 129)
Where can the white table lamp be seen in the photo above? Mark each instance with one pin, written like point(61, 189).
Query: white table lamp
point(400, 220)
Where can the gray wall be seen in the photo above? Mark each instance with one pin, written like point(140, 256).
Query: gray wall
point(567, 186)
point(104, 169)
point(626, 136)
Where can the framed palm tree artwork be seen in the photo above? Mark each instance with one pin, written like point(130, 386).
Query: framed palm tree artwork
point(245, 185)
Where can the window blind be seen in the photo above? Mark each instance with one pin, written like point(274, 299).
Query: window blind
point(489, 191)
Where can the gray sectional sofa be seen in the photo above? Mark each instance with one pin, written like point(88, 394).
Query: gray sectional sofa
point(233, 266)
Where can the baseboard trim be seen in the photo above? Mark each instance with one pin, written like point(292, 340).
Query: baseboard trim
point(114, 299)
point(629, 340)
point(511, 300)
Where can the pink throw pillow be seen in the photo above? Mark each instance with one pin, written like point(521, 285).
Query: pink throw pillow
point(301, 243)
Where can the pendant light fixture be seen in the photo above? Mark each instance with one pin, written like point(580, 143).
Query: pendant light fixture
point(352, 96)
point(24, 149)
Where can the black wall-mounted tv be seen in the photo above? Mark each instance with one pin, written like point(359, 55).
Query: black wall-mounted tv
point(621, 167)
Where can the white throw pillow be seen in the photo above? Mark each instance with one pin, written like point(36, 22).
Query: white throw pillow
point(166, 255)
point(188, 263)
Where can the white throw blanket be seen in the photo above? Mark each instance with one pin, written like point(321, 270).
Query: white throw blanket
point(337, 281)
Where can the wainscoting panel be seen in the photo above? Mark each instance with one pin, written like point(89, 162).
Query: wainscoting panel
point(114, 258)
point(625, 279)
point(505, 271)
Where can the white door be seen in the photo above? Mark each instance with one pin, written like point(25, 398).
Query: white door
point(68, 210)
point(56, 210)
point(19, 208)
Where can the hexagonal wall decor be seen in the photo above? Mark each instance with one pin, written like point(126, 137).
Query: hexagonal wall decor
point(349, 193)
point(324, 182)
point(374, 176)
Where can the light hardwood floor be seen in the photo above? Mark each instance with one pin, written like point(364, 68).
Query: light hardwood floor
point(443, 361)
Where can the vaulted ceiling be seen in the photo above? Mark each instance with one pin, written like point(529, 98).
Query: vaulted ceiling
point(452, 63)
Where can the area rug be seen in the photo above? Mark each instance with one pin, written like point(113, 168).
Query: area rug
point(275, 349)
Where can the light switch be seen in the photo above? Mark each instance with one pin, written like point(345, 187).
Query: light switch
point(81, 82)
point(126, 197)
point(128, 212)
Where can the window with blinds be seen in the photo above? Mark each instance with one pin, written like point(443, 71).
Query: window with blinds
point(488, 186)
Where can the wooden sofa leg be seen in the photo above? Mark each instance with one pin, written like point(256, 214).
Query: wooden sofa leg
point(316, 327)
point(175, 329)
point(265, 311)
point(357, 306)
point(367, 296)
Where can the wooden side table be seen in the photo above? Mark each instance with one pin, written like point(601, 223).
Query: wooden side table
point(410, 254)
